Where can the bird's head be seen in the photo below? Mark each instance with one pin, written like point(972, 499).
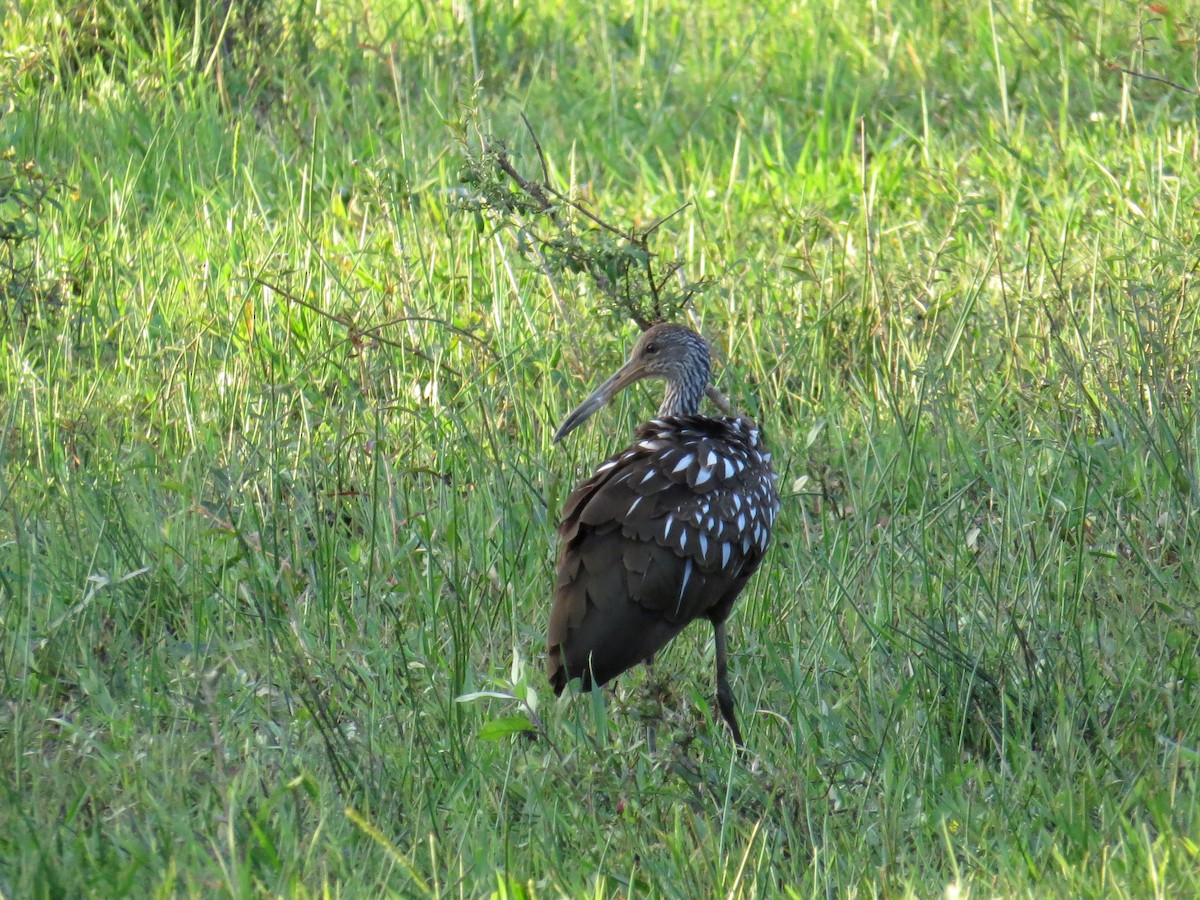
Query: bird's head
point(673, 353)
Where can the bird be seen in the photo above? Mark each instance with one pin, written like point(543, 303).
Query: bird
point(667, 531)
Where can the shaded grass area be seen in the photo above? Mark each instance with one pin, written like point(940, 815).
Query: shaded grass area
point(278, 484)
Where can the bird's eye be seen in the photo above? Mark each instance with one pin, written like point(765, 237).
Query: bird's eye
point(652, 348)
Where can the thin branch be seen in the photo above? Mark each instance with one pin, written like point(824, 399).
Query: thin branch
point(356, 333)
point(658, 223)
point(537, 145)
point(1113, 66)
point(532, 188)
point(720, 401)
point(539, 190)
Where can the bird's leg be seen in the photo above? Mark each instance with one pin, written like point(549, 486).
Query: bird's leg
point(724, 691)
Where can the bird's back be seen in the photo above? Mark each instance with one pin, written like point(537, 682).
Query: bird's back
point(667, 531)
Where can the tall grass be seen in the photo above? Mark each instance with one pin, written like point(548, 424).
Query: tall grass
point(278, 489)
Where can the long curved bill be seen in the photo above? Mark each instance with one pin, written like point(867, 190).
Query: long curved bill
point(621, 379)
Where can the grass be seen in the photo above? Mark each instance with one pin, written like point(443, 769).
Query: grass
point(278, 489)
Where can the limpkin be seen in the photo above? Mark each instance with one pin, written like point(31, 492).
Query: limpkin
point(667, 531)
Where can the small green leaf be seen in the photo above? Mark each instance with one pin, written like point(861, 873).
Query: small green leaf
point(478, 695)
point(504, 726)
point(814, 433)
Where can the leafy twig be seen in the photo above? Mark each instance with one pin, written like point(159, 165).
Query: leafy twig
point(619, 261)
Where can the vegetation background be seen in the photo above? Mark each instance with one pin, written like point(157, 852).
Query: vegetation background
point(277, 490)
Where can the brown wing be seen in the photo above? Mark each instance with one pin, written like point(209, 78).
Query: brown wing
point(665, 532)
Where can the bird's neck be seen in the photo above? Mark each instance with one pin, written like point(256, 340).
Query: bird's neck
point(683, 397)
